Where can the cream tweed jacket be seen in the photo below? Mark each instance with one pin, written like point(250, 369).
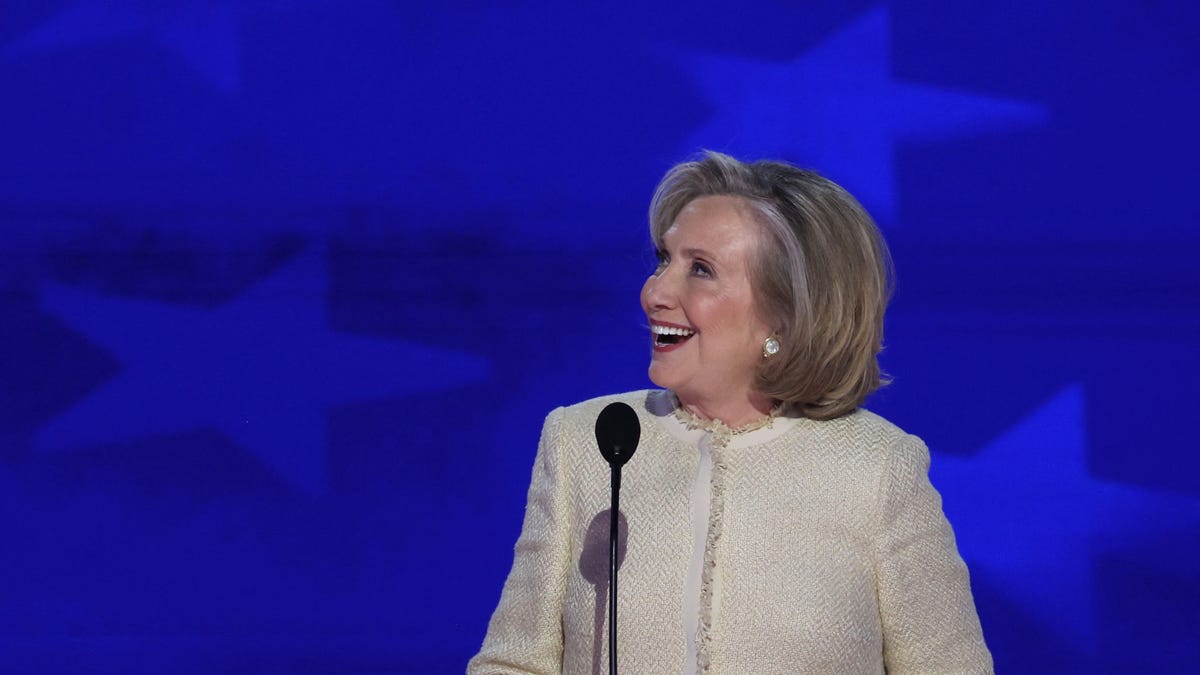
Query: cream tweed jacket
point(826, 552)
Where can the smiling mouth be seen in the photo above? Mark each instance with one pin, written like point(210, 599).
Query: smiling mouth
point(668, 336)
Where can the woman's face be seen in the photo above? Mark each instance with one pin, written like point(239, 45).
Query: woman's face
point(707, 337)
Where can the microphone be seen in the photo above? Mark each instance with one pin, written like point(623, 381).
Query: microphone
point(617, 433)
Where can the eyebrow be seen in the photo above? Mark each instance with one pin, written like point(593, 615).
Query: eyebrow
point(698, 253)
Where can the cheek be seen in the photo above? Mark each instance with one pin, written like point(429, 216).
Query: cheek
point(721, 314)
point(740, 327)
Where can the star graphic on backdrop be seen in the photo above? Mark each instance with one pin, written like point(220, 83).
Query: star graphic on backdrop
point(838, 108)
point(263, 368)
point(1027, 510)
point(202, 32)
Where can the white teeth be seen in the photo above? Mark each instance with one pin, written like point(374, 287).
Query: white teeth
point(670, 330)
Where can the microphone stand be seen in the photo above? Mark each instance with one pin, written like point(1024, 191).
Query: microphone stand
point(614, 509)
point(617, 433)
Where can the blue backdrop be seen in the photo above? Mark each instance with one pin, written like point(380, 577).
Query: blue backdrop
point(286, 289)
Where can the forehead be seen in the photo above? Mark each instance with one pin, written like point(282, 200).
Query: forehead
point(722, 223)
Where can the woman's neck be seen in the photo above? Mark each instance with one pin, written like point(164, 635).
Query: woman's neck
point(734, 414)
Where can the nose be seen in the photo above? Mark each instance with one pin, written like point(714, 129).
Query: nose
point(659, 291)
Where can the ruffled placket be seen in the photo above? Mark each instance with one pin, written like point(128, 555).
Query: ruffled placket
point(702, 594)
point(714, 446)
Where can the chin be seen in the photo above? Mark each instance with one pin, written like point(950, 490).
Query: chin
point(661, 379)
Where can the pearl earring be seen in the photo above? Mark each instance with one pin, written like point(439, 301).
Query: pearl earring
point(770, 347)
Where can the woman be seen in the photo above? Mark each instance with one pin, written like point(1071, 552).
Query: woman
point(773, 525)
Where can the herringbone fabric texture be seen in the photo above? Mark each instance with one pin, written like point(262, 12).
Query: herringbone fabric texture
point(834, 555)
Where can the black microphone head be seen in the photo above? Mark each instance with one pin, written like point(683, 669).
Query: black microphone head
point(617, 433)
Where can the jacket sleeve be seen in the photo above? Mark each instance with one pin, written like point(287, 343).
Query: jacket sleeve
point(525, 633)
point(925, 604)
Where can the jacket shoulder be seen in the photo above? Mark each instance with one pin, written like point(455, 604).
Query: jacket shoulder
point(577, 423)
point(860, 427)
point(645, 402)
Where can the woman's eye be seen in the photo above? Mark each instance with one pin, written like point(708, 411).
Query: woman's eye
point(701, 270)
point(661, 260)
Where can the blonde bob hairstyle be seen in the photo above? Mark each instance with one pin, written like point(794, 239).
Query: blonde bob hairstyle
point(822, 277)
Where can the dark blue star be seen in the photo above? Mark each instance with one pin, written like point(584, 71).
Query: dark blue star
point(837, 108)
point(263, 368)
point(1026, 509)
